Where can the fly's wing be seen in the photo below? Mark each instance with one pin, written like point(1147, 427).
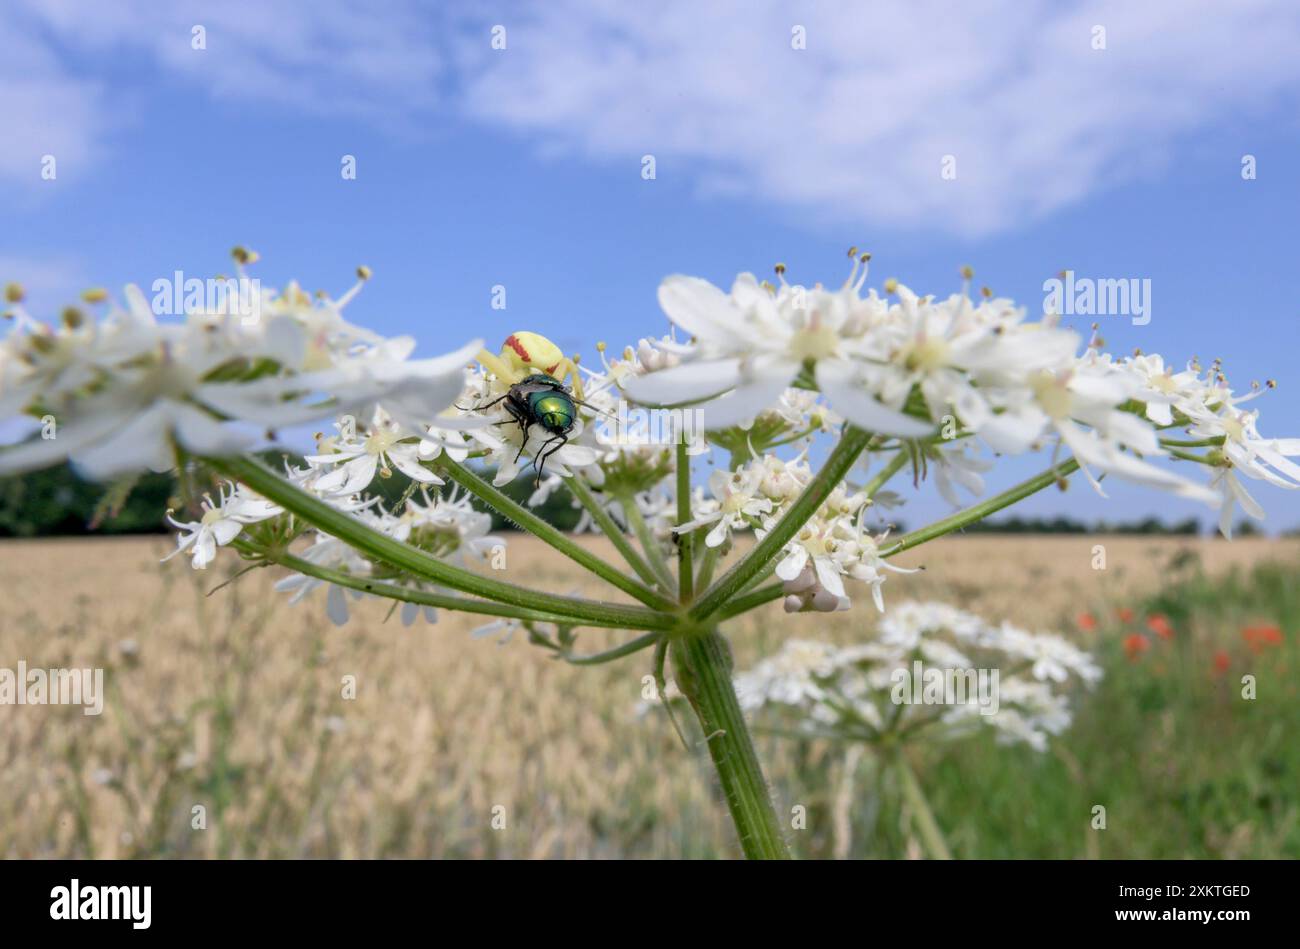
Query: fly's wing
point(528, 387)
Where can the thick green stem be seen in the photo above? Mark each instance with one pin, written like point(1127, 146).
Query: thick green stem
point(550, 534)
point(381, 547)
point(440, 601)
point(805, 506)
point(702, 662)
point(685, 540)
point(982, 510)
point(611, 529)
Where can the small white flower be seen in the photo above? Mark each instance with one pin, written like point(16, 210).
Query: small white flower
point(221, 523)
point(737, 495)
point(357, 462)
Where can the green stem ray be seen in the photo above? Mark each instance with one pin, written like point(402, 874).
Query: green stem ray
point(381, 547)
point(805, 506)
point(618, 652)
point(685, 540)
point(440, 601)
point(654, 555)
point(882, 477)
point(982, 510)
point(611, 530)
point(708, 563)
point(553, 536)
point(748, 601)
point(926, 824)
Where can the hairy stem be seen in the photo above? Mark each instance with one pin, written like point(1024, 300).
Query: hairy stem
point(702, 662)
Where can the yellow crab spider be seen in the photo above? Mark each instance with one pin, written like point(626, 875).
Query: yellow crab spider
point(527, 353)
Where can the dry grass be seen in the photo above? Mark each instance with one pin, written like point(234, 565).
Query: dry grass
point(234, 702)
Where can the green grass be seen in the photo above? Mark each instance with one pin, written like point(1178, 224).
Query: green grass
point(1184, 765)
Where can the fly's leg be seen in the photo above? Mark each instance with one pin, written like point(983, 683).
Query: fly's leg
point(593, 408)
point(522, 419)
point(485, 405)
point(524, 444)
point(539, 463)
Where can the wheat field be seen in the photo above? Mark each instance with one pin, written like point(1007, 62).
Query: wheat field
point(233, 703)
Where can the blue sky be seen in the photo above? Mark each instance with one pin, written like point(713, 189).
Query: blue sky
point(522, 166)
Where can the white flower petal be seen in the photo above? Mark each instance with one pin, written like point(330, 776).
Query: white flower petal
point(688, 382)
point(698, 307)
point(836, 379)
point(405, 458)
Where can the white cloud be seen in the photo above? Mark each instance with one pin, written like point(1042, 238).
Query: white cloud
point(851, 129)
point(856, 125)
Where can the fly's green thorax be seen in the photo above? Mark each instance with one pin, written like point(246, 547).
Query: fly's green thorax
point(554, 410)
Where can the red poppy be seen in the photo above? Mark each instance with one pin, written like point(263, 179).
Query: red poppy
point(1222, 662)
point(1262, 635)
point(1086, 622)
point(1125, 614)
point(1135, 644)
point(1158, 623)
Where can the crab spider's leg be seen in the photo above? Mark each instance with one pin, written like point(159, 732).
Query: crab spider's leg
point(498, 367)
point(566, 371)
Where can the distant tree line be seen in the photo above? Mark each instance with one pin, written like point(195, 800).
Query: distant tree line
point(55, 502)
point(1067, 525)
